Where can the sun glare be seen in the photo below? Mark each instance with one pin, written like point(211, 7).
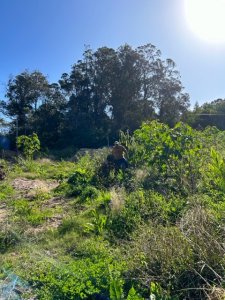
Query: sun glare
point(206, 19)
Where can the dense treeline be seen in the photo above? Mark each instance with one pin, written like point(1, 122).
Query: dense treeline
point(209, 114)
point(106, 91)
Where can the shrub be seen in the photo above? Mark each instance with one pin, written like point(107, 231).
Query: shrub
point(159, 254)
point(175, 154)
point(75, 279)
point(28, 144)
point(122, 222)
point(80, 176)
point(89, 193)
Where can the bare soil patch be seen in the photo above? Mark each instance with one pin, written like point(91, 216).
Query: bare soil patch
point(24, 184)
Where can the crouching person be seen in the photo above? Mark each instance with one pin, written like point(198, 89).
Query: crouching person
point(118, 153)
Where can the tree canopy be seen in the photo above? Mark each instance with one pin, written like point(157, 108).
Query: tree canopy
point(106, 91)
point(208, 114)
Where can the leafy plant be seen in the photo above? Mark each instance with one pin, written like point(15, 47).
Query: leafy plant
point(99, 221)
point(6, 191)
point(216, 171)
point(133, 295)
point(28, 145)
point(168, 150)
point(116, 289)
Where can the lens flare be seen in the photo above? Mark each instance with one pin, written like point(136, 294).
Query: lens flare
point(206, 19)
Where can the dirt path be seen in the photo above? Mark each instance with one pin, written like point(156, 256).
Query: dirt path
point(24, 184)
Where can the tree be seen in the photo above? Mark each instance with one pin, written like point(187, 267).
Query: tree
point(209, 114)
point(24, 93)
point(126, 91)
point(49, 118)
point(146, 87)
point(109, 90)
point(87, 120)
point(161, 85)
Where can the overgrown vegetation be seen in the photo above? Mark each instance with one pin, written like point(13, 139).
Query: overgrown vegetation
point(155, 230)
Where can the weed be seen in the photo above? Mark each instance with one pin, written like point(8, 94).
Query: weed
point(6, 191)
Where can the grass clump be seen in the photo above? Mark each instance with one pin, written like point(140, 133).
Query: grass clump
point(6, 191)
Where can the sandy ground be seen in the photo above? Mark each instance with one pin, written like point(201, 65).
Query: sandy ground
point(24, 184)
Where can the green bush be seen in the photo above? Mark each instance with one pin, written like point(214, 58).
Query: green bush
point(144, 206)
point(28, 145)
point(89, 193)
point(166, 151)
point(121, 223)
point(80, 176)
point(78, 279)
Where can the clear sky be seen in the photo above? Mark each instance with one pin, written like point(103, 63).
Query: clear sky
point(49, 35)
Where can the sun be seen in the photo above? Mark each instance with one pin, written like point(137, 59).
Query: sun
point(206, 19)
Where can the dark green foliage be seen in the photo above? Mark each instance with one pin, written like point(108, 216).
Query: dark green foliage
point(78, 177)
point(68, 225)
point(142, 207)
point(24, 93)
point(90, 193)
point(209, 114)
point(79, 184)
point(122, 224)
point(117, 89)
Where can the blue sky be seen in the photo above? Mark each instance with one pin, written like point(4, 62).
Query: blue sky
point(49, 35)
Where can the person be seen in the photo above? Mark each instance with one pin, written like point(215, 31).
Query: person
point(118, 153)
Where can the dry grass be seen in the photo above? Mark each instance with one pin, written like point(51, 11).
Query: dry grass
point(216, 294)
point(117, 199)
